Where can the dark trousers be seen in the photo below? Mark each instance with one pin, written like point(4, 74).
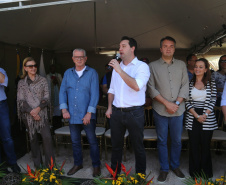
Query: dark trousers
point(47, 146)
point(199, 149)
point(5, 133)
point(134, 122)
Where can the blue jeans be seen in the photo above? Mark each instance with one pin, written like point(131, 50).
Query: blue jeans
point(175, 127)
point(75, 130)
point(5, 133)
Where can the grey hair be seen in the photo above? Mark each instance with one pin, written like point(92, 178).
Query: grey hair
point(79, 49)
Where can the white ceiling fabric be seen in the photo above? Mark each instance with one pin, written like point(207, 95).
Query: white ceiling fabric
point(64, 27)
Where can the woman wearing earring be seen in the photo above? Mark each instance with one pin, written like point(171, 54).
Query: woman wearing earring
point(32, 102)
point(200, 119)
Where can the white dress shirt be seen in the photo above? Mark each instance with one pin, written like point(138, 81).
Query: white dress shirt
point(124, 96)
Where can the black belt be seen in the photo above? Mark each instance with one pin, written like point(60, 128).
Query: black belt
point(127, 109)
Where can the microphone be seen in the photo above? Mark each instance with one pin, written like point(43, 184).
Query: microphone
point(117, 57)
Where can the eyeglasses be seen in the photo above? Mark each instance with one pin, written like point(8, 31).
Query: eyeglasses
point(31, 66)
point(223, 61)
point(79, 58)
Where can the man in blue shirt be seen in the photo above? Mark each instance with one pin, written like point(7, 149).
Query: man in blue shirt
point(79, 95)
point(5, 127)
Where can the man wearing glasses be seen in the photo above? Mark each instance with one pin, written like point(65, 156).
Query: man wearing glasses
point(78, 98)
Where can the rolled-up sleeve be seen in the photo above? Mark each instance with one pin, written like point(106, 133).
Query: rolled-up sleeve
point(142, 75)
point(5, 83)
point(94, 97)
point(63, 93)
point(112, 89)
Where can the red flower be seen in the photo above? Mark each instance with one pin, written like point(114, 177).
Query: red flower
point(124, 169)
point(150, 181)
point(196, 183)
point(31, 174)
point(51, 166)
point(111, 171)
point(62, 165)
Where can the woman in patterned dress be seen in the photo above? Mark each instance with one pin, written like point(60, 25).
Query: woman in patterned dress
point(32, 102)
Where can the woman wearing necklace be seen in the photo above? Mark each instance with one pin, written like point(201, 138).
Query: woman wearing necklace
point(200, 119)
point(32, 102)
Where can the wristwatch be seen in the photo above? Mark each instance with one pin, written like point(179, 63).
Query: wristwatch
point(206, 114)
point(197, 117)
point(177, 103)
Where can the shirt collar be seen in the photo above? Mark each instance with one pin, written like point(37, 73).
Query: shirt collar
point(86, 68)
point(163, 61)
point(134, 61)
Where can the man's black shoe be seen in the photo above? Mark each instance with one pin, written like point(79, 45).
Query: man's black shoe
point(162, 177)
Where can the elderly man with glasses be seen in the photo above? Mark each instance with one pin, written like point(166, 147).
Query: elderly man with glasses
point(79, 95)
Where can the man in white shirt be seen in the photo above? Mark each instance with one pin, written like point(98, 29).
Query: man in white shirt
point(126, 97)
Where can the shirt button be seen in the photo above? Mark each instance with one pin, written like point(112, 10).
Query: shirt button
point(75, 97)
point(78, 81)
point(75, 105)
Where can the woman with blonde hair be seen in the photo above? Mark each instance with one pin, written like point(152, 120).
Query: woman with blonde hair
point(33, 102)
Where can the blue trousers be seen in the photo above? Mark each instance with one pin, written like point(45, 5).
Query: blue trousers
point(175, 126)
point(75, 130)
point(5, 133)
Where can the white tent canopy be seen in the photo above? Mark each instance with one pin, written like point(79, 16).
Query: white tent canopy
point(98, 25)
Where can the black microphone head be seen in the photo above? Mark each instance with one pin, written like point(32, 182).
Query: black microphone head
point(117, 56)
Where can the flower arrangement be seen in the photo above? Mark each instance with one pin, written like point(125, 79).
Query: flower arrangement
point(46, 176)
point(123, 179)
point(205, 181)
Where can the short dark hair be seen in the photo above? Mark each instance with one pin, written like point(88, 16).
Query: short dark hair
point(219, 66)
point(167, 38)
point(189, 57)
point(132, 43)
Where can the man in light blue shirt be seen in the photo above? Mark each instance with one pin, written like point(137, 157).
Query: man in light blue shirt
point(79, 95)
point(5, 126)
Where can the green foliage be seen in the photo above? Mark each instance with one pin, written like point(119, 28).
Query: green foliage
point(203, 180)
point(2, 172)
